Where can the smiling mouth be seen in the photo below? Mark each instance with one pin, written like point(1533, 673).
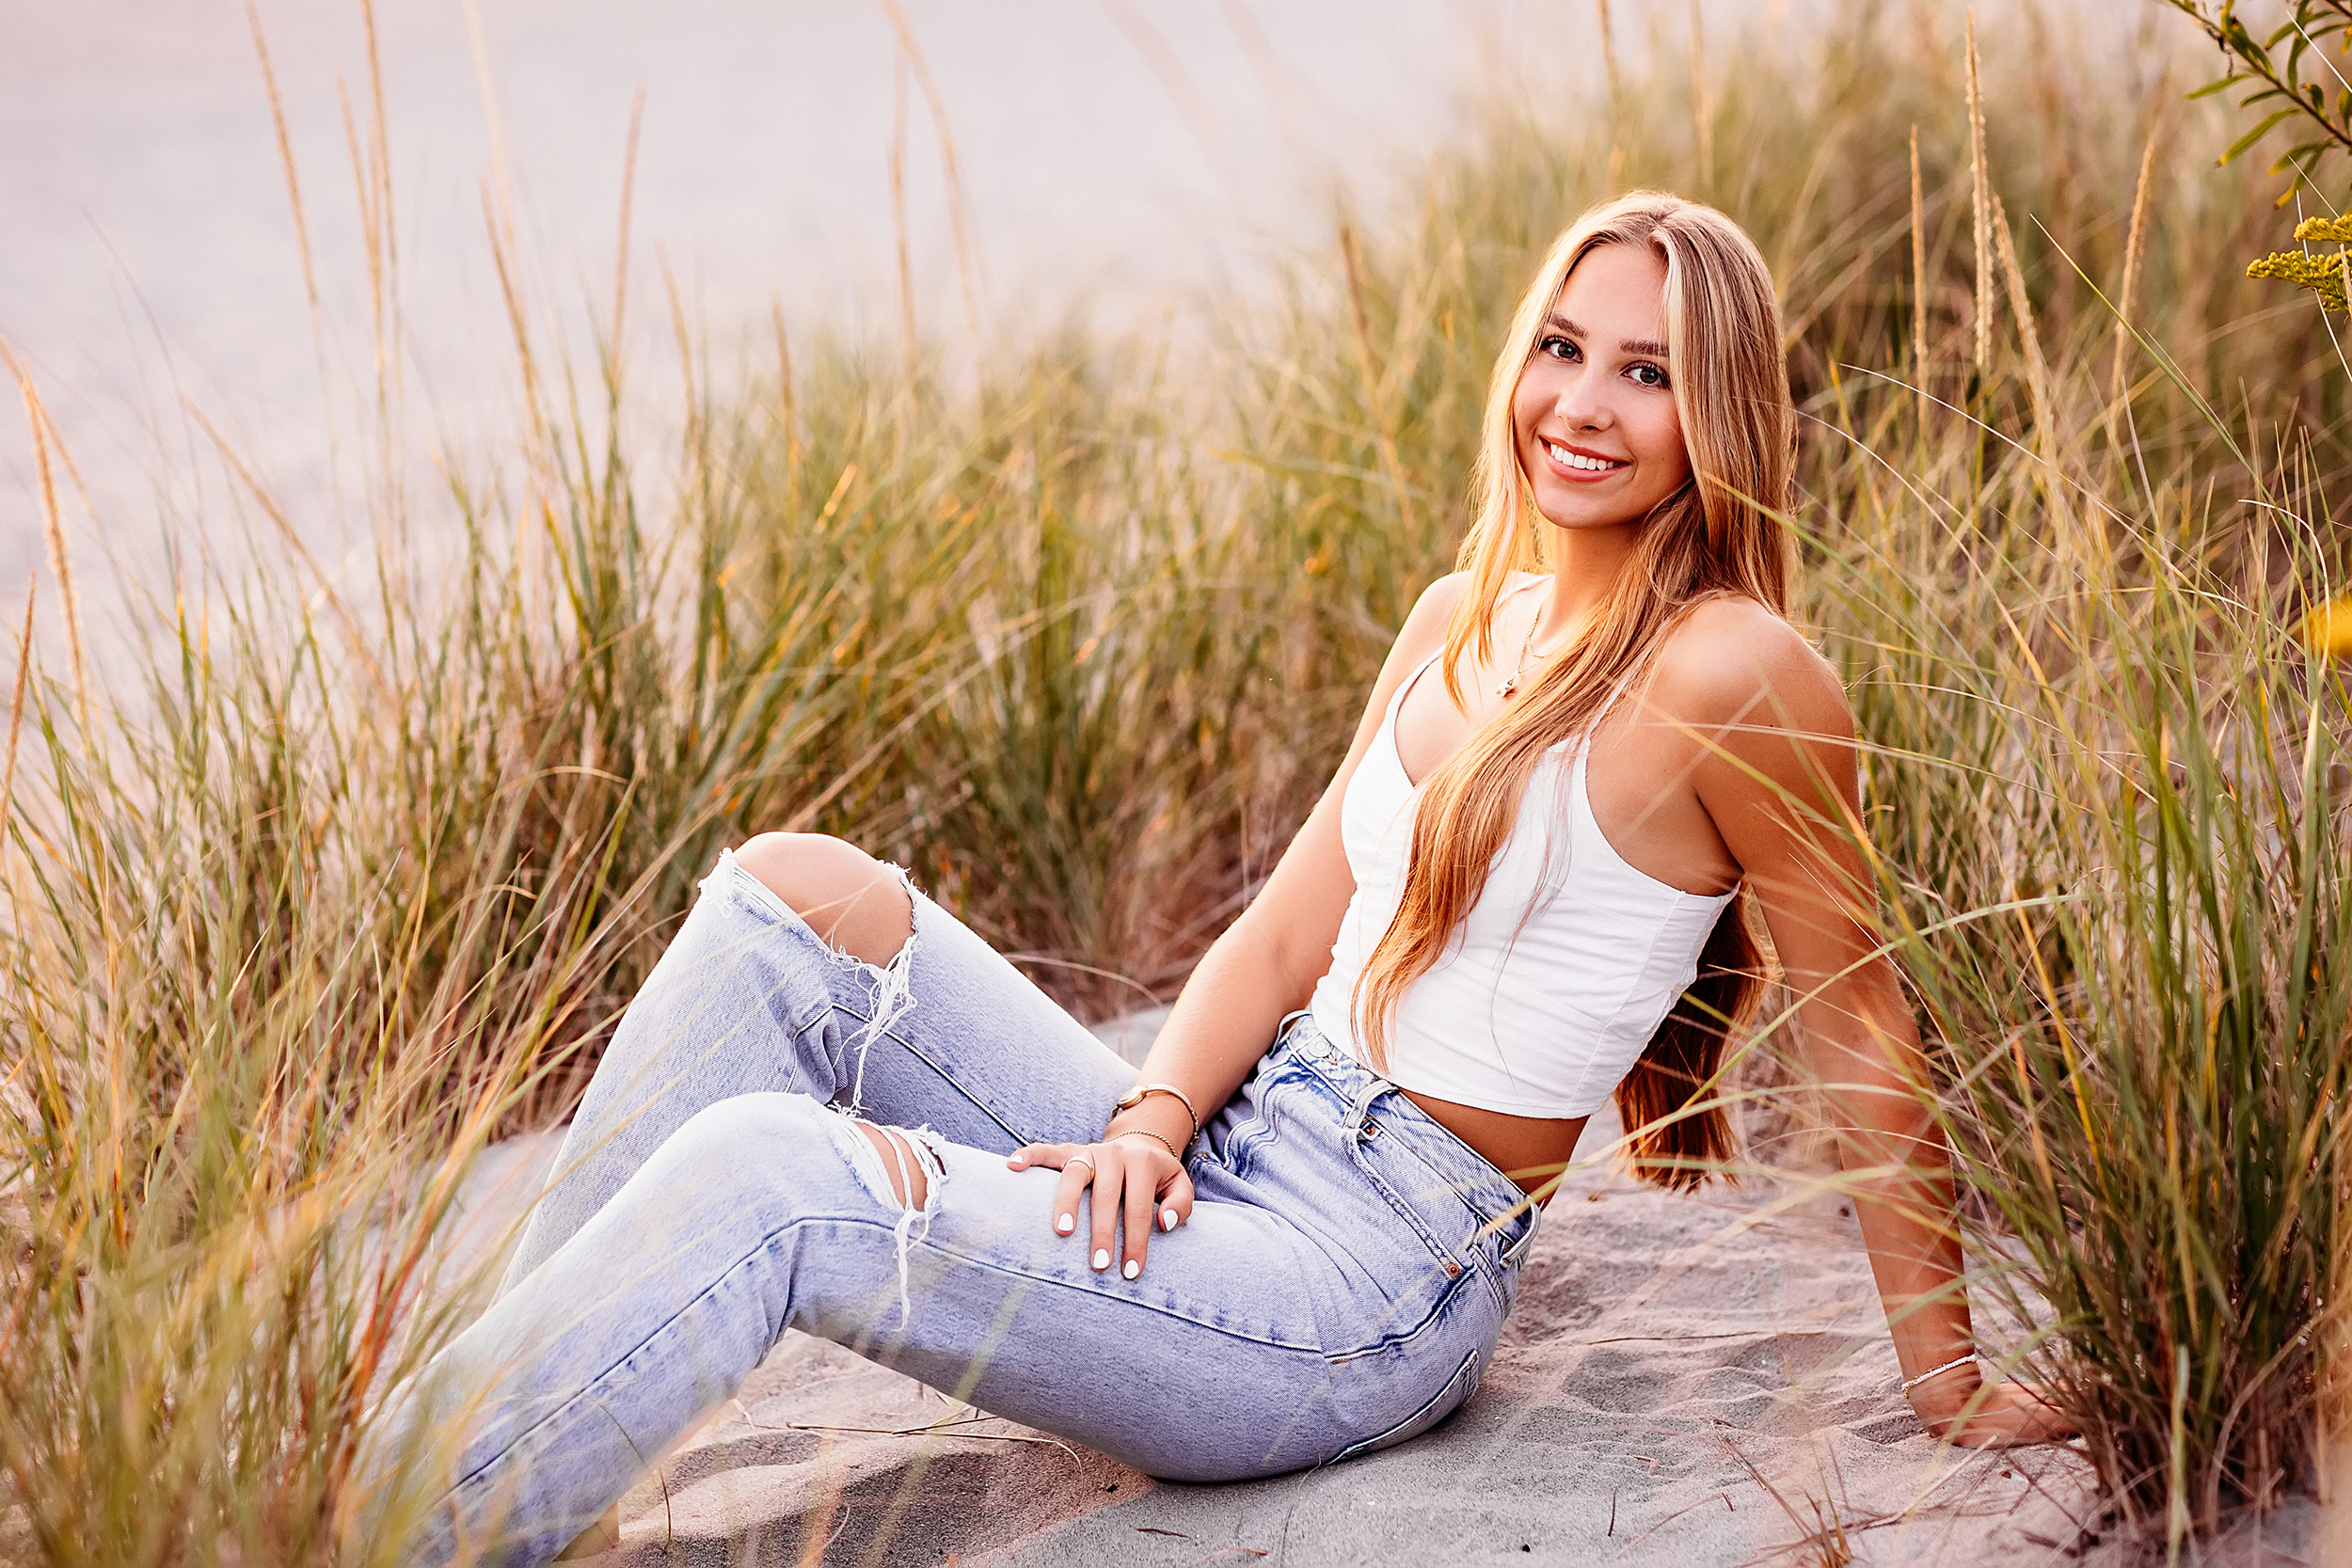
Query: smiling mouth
point(1567, 459)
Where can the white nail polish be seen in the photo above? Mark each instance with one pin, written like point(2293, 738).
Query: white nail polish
point(1132, 1268)
point(1101, 1258)
point(1066, 1223)
point(1168, 1219)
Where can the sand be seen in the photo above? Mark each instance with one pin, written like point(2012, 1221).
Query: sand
point(1685, 1382)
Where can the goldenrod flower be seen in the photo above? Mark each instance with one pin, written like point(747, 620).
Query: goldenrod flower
point(2324, 274)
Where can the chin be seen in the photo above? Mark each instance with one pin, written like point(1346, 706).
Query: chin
point(1575, 516)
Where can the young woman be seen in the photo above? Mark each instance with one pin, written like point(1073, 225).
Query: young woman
point(1296, 1237)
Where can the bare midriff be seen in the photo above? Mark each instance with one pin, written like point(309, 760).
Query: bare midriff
point(1531, 1151)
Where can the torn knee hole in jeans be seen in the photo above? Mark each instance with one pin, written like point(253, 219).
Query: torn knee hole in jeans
point(909, 1181)
point(892, 996)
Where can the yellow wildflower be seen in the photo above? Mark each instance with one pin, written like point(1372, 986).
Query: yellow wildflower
point(2328, 629)
point(2324, 274)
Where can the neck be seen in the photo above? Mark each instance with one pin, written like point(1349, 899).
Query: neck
point(1585, 563)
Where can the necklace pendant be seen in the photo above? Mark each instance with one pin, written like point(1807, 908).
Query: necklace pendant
point(1510, 684)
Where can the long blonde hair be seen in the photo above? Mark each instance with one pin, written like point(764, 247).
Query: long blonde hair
point(1720, 533)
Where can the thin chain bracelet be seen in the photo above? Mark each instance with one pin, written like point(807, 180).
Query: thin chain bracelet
point(1909, 1384)
point(1147, 1132)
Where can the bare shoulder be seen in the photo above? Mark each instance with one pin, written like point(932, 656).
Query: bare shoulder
point(1435, 606)
point(1424, 628)
point(1733, 662)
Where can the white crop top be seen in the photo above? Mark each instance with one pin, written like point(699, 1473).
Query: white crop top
point(1545, 995)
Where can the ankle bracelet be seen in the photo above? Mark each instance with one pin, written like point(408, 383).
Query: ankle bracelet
point(1909, 1384)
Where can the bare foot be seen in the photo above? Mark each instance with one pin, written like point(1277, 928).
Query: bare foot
point(597, 1540)
point(2002, 1415)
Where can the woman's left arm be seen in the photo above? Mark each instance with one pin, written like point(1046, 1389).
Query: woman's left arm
point(1773, 765)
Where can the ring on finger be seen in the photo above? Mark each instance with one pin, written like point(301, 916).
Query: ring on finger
point(1079, 1160)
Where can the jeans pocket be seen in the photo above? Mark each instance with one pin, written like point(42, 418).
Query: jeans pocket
point(1468, 1210)
point(1443, 1404)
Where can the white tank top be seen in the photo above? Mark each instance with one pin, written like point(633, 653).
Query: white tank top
point(1553, 984)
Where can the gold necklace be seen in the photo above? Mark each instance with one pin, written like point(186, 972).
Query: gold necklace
point(1510, 682)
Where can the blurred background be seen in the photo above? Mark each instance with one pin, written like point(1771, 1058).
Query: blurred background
point(1107, 155)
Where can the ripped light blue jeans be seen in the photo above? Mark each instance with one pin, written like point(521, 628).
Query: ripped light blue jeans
point(1339, 1287)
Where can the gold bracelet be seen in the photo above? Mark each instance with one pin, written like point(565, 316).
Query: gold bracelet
point(1136, 1096)
point(1147, 1132)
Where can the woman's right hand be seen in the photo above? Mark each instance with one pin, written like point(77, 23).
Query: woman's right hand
point(1134, 1178)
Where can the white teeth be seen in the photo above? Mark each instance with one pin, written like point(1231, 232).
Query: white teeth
point(1576, 460)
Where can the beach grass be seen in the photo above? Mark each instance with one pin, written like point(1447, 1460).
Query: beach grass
point(350, 873)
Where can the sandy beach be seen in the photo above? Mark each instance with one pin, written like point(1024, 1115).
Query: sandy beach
point(1692, 1381)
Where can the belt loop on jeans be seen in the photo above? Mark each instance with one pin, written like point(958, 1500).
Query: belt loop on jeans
point(1359, 1108)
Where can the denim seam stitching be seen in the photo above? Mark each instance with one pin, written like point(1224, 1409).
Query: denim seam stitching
point(904, 1043)
point(1491, 1271)
point(768, 1240)
point(1400, 1342)
point(1388, 1438)
point(994, 1267)
point(1481, 1228)
point(1437, 1257)
point(1405, 1212)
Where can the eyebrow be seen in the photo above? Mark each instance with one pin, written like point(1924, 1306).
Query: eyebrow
point(1631, 345)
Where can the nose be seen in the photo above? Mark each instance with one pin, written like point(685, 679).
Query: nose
point(1582, 402)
